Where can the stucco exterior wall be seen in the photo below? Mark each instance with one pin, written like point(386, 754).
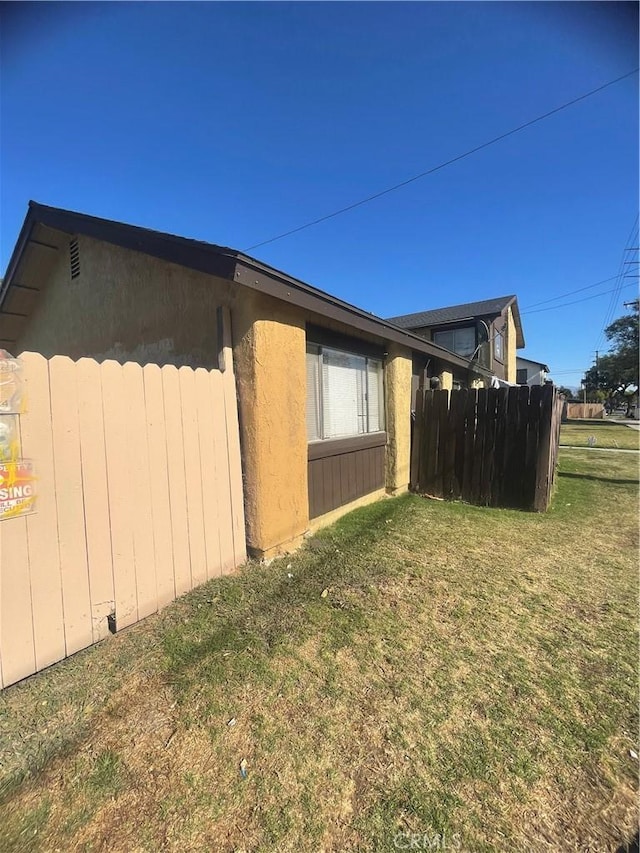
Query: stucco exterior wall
point(510, 364)
point(127, 306)
point(397, 380)
point(270, 358)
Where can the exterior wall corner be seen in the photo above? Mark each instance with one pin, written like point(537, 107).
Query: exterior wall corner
point(398, 374)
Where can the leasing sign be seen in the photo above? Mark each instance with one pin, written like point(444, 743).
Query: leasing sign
point(17, 490)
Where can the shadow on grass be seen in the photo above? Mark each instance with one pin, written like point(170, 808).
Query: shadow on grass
point(235, 624)
point(630, 846)
point(600, 479)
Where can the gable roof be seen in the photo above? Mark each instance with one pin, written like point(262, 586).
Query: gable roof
point(526, 358)
point(38, 237)
point(465, 311)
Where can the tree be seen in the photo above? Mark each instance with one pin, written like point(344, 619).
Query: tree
point(566, 392)
point(616, 373)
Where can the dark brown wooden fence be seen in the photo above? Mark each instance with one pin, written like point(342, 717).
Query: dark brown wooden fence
point(491, 447)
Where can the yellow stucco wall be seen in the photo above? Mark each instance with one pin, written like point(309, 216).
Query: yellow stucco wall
point(129, 306)
point(397, 380)
point(510, 365)
point(126, 306)
point(269, 352)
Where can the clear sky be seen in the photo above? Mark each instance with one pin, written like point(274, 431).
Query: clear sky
point(234, 122)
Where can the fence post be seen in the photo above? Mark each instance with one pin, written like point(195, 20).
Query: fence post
point(544, 476)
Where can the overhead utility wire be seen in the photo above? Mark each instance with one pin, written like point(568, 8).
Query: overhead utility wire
point(575, 301)
point(570, 293)
point(631, 239)
point(441, 165)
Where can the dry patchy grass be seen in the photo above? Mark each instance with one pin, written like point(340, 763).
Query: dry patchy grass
point(471, 674)
point(607, 434)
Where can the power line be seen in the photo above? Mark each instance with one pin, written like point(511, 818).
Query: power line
point(575, 301)
point(441, 165)
point(631, 239)
point(570, 292)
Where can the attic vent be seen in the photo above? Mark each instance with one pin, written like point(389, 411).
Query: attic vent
point(74, 258)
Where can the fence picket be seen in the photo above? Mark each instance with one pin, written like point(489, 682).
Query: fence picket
point(121, 505)
point(42, 525)
point(96, 496)
point(492, 447)
point(70, 503)
point(159, 483)
point(126, 459)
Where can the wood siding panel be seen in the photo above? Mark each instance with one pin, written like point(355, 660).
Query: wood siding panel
point(337, 480)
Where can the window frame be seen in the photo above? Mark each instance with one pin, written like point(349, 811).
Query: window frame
point(472, 328)
point(498, 336)
point(315, 348)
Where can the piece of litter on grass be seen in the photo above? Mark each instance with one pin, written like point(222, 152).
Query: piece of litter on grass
point(231, 723)
point(289, 575)
point(324, 593)
point(289, 565)
point(243, 768)
point(633, 753)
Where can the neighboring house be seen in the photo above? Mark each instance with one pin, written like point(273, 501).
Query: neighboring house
point(324, 388)
point(488, 332)
point(530, 372)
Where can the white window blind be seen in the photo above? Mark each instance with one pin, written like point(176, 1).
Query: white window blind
point(343, 389)
point(375, 395)
point(345, 394)
point(313, 394)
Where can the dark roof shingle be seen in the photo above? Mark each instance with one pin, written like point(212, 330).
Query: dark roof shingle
point(452, 313)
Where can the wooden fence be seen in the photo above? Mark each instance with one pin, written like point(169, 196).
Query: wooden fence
point(585, 410)
point(491, 447)
point(139, 499)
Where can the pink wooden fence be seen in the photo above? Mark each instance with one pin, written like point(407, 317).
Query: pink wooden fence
point(139, 499)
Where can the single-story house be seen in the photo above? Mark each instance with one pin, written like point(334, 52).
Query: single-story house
point(529, 372)
point(324, 388)
point(489, 332)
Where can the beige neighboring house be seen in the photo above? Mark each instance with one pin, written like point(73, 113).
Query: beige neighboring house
point(488, 331)
point(324, 388)
point(529, 372)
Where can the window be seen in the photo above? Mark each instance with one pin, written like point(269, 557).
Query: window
point(345, 393)
point(521, 376)
point(461, 341)
point(498, 345)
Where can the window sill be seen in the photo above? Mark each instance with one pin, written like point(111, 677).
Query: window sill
point(337, 446)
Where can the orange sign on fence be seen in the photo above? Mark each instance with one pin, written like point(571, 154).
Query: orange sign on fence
point(17, 491)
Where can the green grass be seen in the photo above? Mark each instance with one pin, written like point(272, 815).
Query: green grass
point(469, 678)
point(607, 434)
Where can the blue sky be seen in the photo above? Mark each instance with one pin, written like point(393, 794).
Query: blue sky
point(234, 122)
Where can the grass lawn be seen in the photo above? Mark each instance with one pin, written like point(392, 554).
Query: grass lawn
point(606, 434)
point(423, 667)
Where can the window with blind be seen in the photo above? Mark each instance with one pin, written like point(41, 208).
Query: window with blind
point(345, 394)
